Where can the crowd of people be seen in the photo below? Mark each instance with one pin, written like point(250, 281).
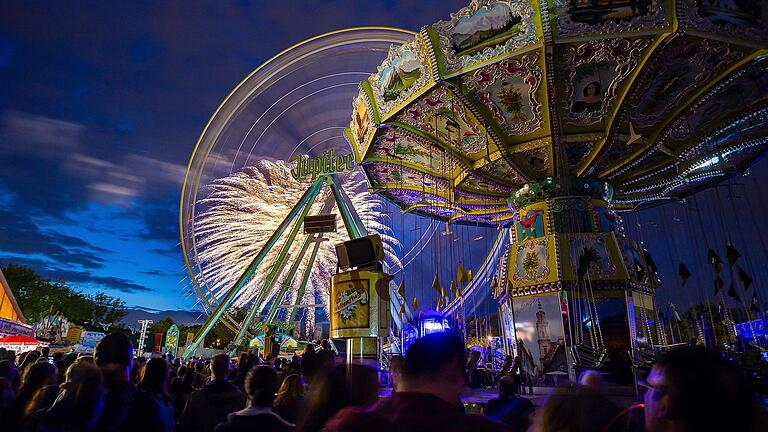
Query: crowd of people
point(691, 389)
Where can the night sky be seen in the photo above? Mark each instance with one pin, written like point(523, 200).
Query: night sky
point(101, 104)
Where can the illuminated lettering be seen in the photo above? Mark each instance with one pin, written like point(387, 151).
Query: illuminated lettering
point(326, 163)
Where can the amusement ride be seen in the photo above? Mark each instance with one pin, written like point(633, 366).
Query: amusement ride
point(509, 139)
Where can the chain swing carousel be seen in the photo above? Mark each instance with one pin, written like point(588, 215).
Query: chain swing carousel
point(551, 119)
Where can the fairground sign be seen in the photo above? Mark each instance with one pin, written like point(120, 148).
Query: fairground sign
point(328, 163)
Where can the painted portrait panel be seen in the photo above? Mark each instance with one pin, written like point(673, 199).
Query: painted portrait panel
point(449, 120)
point(593, 73)
point(590, 83)
point(396, 144)
point(503, 171)
point(511, 95)
point(576, 152)
point(595, 252)
point(680, 68)
point(746, 90)
point(509, 89)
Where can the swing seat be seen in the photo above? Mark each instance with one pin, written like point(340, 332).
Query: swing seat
point(586, 357)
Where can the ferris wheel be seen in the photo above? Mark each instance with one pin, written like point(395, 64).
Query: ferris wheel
point(245, 179)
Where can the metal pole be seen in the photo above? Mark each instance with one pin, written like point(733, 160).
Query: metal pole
point(243, 279)
point(348, 214)
point(305, 279)
point(143, 335)
point(287, 281)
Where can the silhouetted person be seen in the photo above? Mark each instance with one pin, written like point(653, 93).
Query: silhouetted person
point(180, 389)
point(261, 384)
point(154, 379)
point(9, 371)
point(66, 361)
point(244, 365)
point(211, 404)
point(695, 389)
point(343, 386)
point(80, 403)
point(38, 377)
point(326, 356)
point(126, 407)
point(579, 409)
point(428, 395)
point(289, 403)
point(509, 408)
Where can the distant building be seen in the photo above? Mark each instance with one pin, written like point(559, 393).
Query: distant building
point(12, 321)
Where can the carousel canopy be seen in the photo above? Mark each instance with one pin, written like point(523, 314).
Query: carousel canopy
point(655, 98)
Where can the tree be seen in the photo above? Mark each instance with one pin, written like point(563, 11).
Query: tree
point(161, 326)
point(39, 296)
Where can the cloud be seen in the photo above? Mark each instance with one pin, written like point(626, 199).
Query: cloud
point(38, 136)
point(75, 277)
point(19, 234)
point(57, 159)
point(173, 251)
point(119, 183)
point(162, 273)
point(109, 282)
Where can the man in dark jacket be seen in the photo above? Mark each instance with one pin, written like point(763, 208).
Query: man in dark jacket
point(427, 397)
point(210, 405)
point(126, 407)
point(261, 384)
point(510, 408)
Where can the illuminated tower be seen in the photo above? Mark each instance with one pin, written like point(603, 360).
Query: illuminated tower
point(542, 332)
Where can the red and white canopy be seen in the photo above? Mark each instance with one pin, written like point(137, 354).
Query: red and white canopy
point(19, 341)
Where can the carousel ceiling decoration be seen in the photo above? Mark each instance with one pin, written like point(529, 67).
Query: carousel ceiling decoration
point(659, 98)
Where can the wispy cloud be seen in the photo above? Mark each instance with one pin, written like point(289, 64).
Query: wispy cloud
point(21, 235)
point(38, 136)
point(75, 277)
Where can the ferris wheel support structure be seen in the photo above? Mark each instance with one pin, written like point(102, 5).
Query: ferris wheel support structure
point(296, 216)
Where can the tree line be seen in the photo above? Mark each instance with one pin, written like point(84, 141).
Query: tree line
point(39, 297)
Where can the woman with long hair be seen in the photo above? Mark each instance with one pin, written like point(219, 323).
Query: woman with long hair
point(289, 403)
point(154, 379)
point(80, 403)
point(36, 377)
